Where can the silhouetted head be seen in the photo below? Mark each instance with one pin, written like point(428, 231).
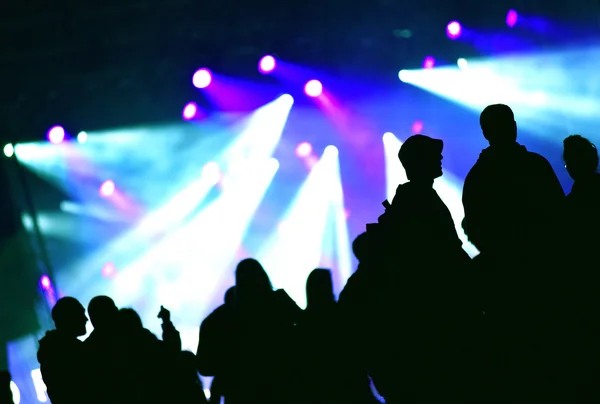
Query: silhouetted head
point(251, 281)
point(498, 125)
point(129, 320)
point(69, 317)
point(230, 296)
point(5, 392)
point(421, 157)
point(360, 247)
point(103, 312)
point(319, 289)
point(580, 156)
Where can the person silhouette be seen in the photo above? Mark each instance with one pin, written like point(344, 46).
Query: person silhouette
point(102, 348)
point(580, 331)
point(510, 195)
point(512, 199)
point(423, 281)
point(61, 355)
point(6, 396)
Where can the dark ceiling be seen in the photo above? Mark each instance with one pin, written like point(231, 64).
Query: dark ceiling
point(105, 63)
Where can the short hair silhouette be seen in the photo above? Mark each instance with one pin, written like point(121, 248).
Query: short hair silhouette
point(319, 288)
point(250, 277)
point(360, 247)
point(230, 295)
point(580, 156)
point(102, 311)
point(498, 124)
point(130, 320)
point(68, 314)
point(418, 154)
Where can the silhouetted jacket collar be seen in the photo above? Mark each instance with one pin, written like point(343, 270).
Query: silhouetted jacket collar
point(496, 152)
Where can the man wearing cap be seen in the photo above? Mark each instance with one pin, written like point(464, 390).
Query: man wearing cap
point(417, 351)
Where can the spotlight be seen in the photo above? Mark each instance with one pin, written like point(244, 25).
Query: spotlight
point(82, 137)
point(303, 149)
point(9, 150)
point(453, 29)
point(212, 172)
point(189, 111)
point(202, 78)
point(313, 88)
point(332, 149)
point(417, 127)
point(45, 282)
point(107, 188)
point(266, 64)
point(403, 75)
point(511, 18)
point(428, 62)
point(109, 270)
point(462, 63)
point(56, 134)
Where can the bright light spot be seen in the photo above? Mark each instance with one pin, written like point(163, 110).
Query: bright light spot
point(462, 63)
point(283, 226)
point(403, 75)
point(266, 64)
point(40, 386)
point(189, 111)
point(417, 127)
point(331, 149)
point(107, 188)
point(428, 62)
point(207, 393)
point(453, 30)
point(202, 78)
point(388, 135)
point(511, 18)
point(287, 99)
point(109, 270)
point(346, 213)
point(9, 150)
point(313, 88)
point(303, 149)
point(212, 172)
point(82, 137)
point(16, 394)
point(45, 282)
point(56, 134)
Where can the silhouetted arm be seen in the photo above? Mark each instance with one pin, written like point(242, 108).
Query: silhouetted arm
point(472, 204)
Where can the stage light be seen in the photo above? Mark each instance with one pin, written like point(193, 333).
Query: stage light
point(266, 64)
point(211, 172)
point(462, 63)
point(303, 149)
point(189, 111)
point(453, 29)
point(82, 137)
point(511, 18)
point(428, 62)
point(417, 127)
point(56, 134)
point(402, 75)
point(332, 150)
point(107, 188)
point(9, 150)
point(313, 88)
point(109, 270)
point(45, 282)
point(202, 78)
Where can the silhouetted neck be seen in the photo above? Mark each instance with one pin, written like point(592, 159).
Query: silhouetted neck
point(504, 146)
point(421, 183)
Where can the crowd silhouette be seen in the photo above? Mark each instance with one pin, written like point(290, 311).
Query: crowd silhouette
point(419, 320)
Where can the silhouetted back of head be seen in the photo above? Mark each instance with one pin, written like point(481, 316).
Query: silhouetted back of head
point(498, 125)
point(251, 281)
point(69, 316)
point(5, 392)
point(230, 296)
point(103, 312)
point(319, 289)
point(360, 247)
point(421, 157)
point(130, 321)
point(580, 156)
